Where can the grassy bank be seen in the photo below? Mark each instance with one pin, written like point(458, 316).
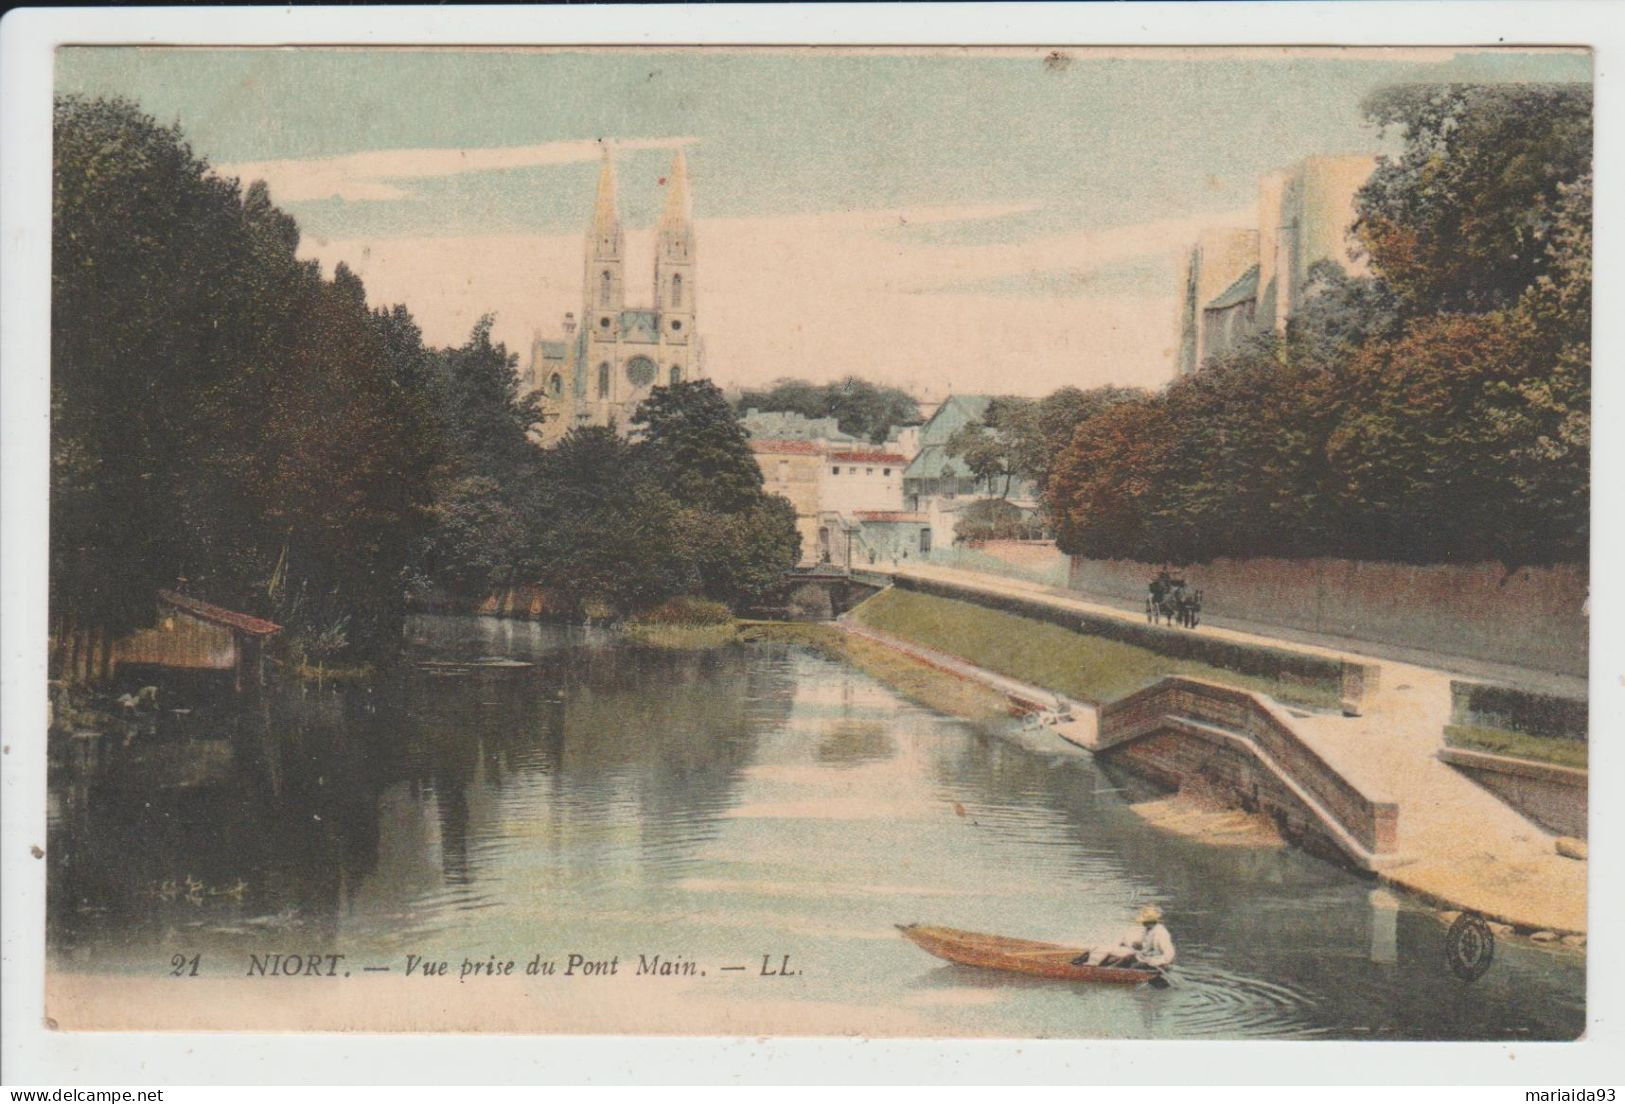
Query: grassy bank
point(917, 681)
point(1087, 668)
point(1519, 745)
point(685, 623)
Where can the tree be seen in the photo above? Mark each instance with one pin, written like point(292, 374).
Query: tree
point(860, 408)
point(986, 452)
point(697, 446)
point(1019, 438)
point(995, 519)
point(220, 412)
point(486, 471)
point(1460, 222)
point(1435, 410)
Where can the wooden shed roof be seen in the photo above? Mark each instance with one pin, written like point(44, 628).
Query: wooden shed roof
point(231, 619)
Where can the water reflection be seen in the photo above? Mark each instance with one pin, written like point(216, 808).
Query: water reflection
point(726, 804)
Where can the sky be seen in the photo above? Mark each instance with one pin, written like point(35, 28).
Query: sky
point(976, 221)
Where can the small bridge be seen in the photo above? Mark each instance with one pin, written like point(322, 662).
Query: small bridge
point(820, 593)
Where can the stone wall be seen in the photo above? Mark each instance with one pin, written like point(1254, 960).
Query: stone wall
point(1192, 734)
point(1533, 617)
point(1553, 797)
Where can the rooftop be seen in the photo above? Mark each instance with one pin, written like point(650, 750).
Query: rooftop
point(203, 611)
point(1245, 289)
point(788, 448)
point(861, 457)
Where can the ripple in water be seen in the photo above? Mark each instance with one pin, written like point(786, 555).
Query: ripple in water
point(1217, 1003)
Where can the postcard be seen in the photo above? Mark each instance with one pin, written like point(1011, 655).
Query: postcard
point(1027, 543)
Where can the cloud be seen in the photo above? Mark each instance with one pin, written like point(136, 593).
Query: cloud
point(370, 176)
point(823, 295)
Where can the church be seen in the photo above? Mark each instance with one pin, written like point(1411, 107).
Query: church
point(597, 373)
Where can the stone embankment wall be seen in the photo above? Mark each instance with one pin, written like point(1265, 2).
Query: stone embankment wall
point(1556, 798)
point(1533, 617)
point(1242, 749)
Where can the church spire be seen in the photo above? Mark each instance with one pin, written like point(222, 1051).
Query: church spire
point(606, 220)
point(677, 213)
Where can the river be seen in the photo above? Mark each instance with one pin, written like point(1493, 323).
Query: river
point(758, 806)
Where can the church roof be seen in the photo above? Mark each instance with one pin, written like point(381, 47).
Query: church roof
point(1244, 289)
point(553, 350)
point(640, 326)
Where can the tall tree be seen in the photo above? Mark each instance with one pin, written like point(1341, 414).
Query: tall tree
point(696, 444)
point(1461, 220)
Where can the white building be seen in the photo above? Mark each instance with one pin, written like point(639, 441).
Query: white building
point(861, 479)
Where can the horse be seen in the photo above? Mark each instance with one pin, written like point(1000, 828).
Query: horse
point(1189, 608)
point(1171, 602)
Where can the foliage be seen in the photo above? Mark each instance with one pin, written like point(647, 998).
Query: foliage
point(1436, 410)
point(697, 447)
point(687, 610)
point(1019, 439)
point(221, 413)
point(1461, 221)
point(861, 408)
point(995, 519)
point(485, 478)
point(680, 511)
point(1556, 750)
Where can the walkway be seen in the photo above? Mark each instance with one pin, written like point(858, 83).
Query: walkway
point(1470, 850)
point(1255, 632)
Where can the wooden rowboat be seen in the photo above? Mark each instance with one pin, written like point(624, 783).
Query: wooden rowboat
point(1022, 956)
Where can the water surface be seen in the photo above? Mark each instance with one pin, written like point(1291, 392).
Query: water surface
point(721, 808)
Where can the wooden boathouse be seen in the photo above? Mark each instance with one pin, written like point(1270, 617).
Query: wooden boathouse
point(193, 635)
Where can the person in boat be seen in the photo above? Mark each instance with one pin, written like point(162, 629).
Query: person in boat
point(1147, 945)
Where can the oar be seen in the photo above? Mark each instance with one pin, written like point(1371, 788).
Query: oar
point(1163, 979)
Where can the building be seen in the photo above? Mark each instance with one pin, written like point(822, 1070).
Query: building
point(937, 485)
point(831, 479)
point(193, 635)
point(596, 373)
point(1239, 283)
point(795, 470)
point(1218, 260)
point(785, 425)
point(861, 479)
point(892, 536)
point(933, 471)
point(904, 440)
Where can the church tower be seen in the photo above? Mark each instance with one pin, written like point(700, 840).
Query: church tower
point(605, 290)
point(675, 290)
point(611, 361)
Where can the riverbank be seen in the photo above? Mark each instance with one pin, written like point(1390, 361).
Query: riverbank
point(1084, 667)
point(1465, 848)
point(915, 679)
